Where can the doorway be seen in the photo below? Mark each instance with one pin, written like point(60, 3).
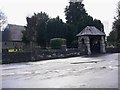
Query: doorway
point(95, 44)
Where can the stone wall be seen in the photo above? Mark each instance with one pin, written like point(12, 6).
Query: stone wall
point(38, 55)
point(112, 50)
point(15, 57)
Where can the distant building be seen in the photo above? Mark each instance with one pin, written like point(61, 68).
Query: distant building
point(91, 40)
point(12, 37)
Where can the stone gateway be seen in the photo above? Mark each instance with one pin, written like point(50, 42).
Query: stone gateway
point(91, 40)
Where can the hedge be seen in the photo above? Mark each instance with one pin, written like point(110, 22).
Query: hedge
point(56, 43)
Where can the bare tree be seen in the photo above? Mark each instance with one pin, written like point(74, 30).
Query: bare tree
point(3, 21)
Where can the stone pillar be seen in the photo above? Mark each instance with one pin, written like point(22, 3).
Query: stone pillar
point(87, 42)
point(79, 43)
point(102, 45)
point(63, 47)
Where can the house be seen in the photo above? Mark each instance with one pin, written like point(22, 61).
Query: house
point(91, 40)
point(12, 37)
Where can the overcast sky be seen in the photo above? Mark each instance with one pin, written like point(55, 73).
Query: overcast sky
point(18, 10)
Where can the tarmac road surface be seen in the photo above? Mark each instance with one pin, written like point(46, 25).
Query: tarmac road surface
point(77, 72)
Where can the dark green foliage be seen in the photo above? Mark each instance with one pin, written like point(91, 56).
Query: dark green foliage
point(56, 43)
point(55, 28)
point(35, 29)
point(114, 36)
point(98, 24)
point(24, 38)
point(74, 44)
point(74, 11)
point(77, 19)
point(29, 35)
point(40, 28)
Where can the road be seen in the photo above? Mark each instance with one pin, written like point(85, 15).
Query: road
point(76, 72)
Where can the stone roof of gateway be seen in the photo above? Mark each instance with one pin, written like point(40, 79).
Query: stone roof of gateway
point(91, 30)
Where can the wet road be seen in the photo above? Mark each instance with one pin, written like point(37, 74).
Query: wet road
point(77, 72)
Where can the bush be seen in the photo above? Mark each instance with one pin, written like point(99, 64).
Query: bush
point(56, 43)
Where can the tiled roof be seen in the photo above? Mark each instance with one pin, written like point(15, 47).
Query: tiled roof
point(12, 33)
